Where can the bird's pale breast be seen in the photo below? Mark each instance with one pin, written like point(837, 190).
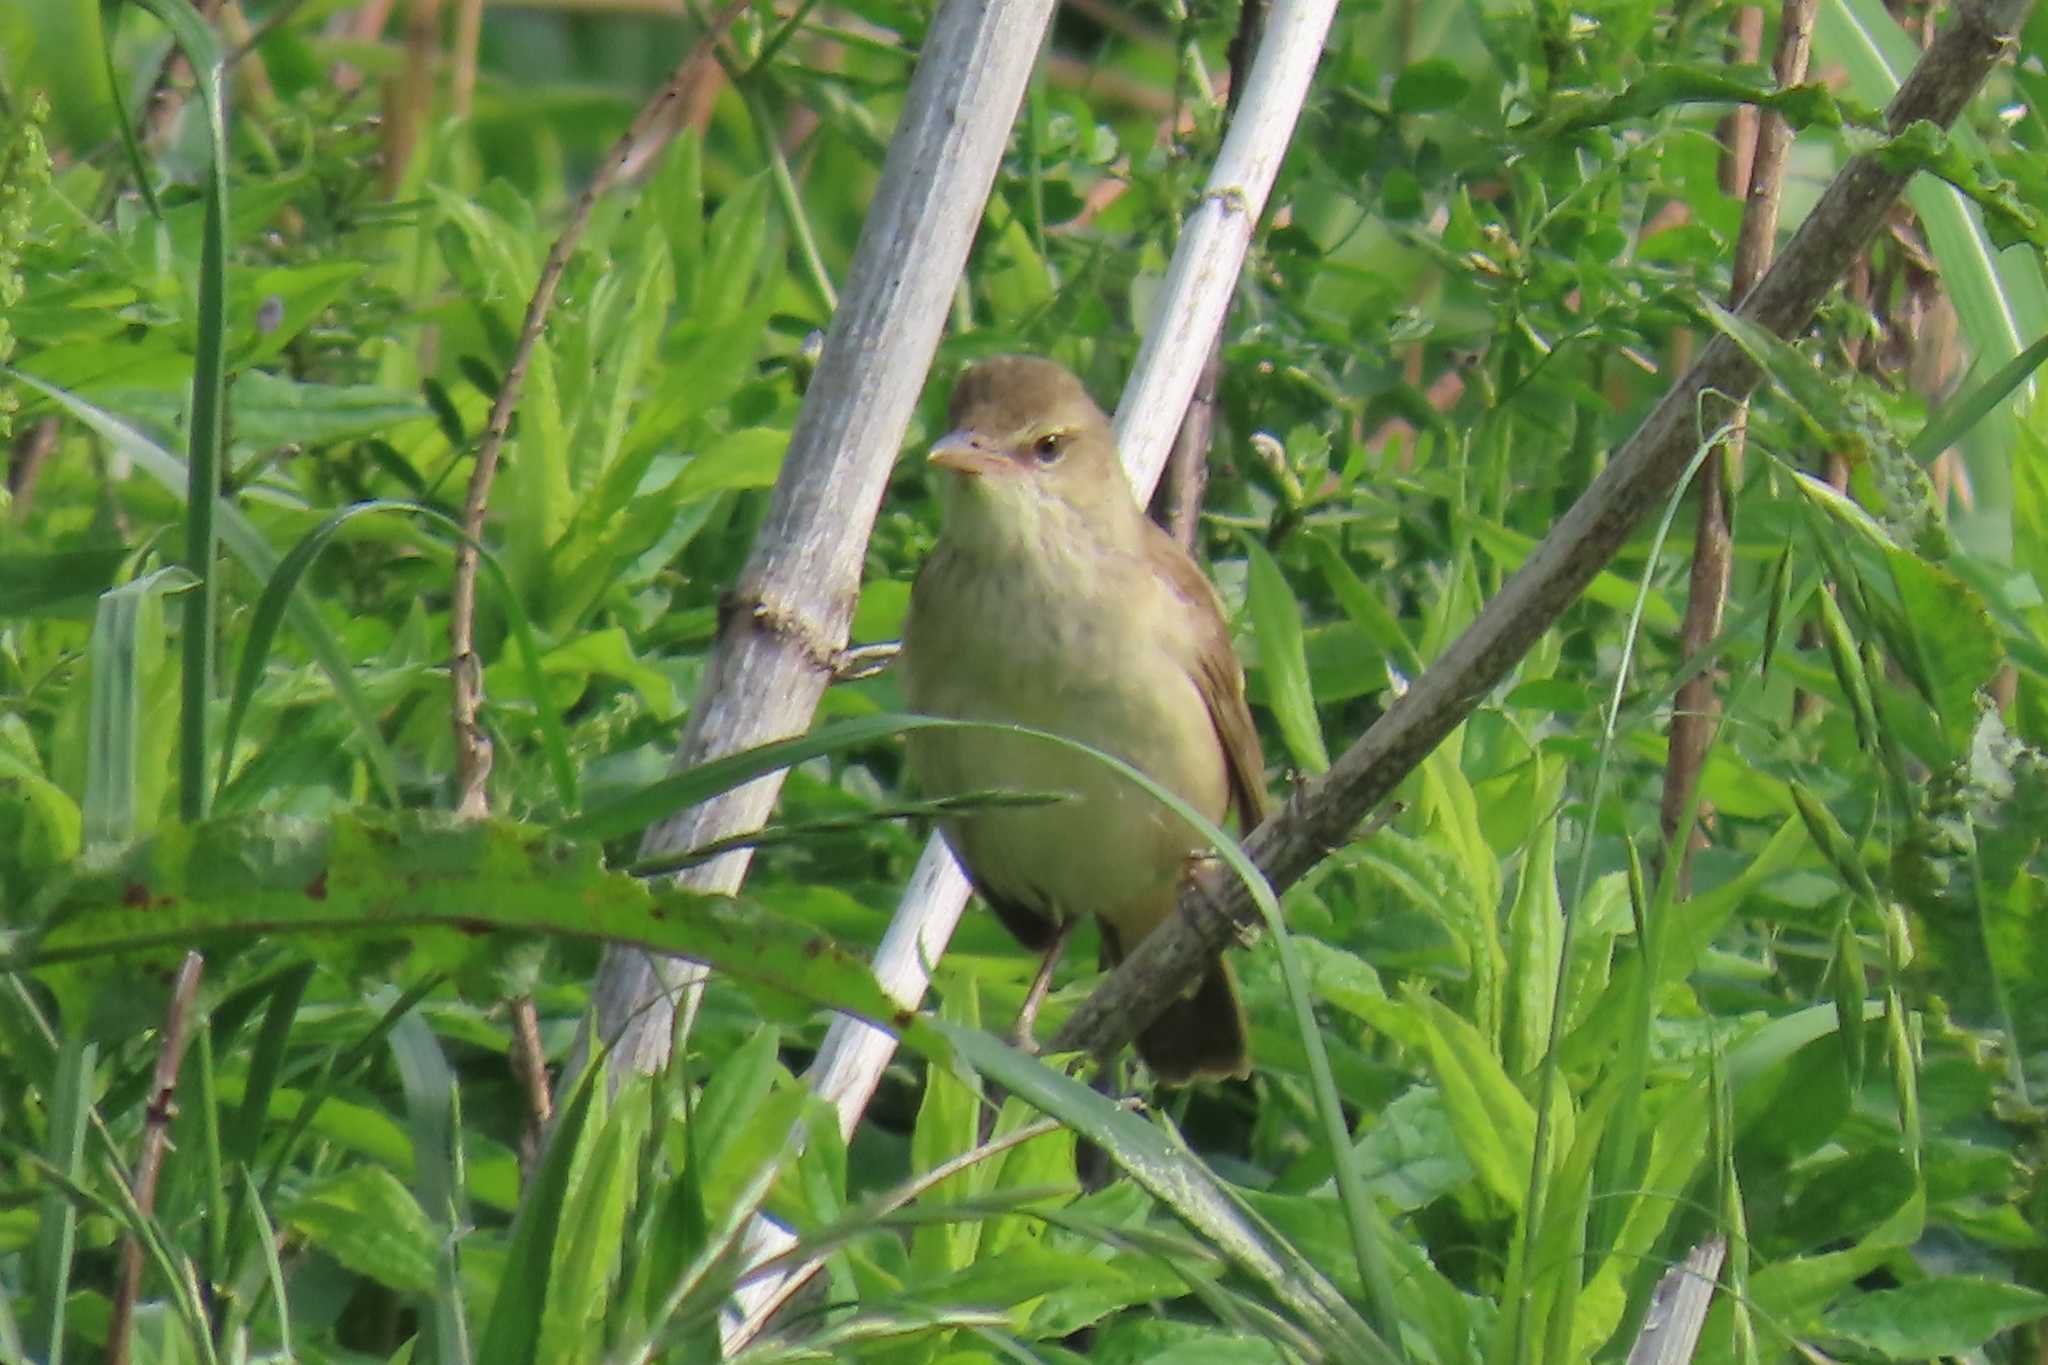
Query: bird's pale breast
point(1065, 652)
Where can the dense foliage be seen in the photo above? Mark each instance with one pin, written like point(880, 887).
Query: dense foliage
point(1499, 234)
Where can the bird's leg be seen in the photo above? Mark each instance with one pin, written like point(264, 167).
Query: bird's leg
point(1027, 1013)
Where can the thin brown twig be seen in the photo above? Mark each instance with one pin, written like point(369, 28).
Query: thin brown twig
point(472, 746)
point(409, 96)
point(1696, 709)
point(32, 450)
point(1763, 144)
point(156, 1141)
point(469, 30)
point(653, 125)
point(1177, 497)
point(530, 1063)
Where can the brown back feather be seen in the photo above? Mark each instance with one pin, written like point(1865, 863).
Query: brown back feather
point(1217, 675)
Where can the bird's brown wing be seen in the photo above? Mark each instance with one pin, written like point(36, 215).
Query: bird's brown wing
point(1218, 676)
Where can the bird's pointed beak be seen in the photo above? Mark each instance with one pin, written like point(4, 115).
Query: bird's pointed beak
point(966, 451)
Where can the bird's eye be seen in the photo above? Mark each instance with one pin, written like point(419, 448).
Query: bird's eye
point(1049, 447)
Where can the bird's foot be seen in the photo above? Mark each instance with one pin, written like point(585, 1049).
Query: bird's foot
point(1021, 1032)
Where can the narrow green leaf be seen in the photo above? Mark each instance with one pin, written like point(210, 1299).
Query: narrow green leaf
point(1609, 589)
point(1774, 620)
point(2000, 298)
point(1848, 662)
point(207, 448)
point(247, 544)
point(51, 1255)
point(1495, 1124)
point(1848, 984)
point(511, 1333)
point(1283, 657)
point(1535, 938)
point(126, 645)
point(1964, 411)
point(658, 800)
point(1170, 1174)
point(1364, 607)
point(748, 458)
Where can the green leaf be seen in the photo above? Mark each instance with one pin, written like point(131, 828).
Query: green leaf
point(52, 826)
point(600, 653)
point(512, 1331)
point(1423, 86)
point(1535, 938)
point(748, 458)
point(360, 875)
point(207, 449)
point(2000, 298)
point(270, 411)
point(1822, 402)
point(1953, 1315)
point(1166, 1170)
point(1495, 1124)
point(366, 1219)
point(48, 583)
point(281, 597)
point(1510, 548)
point(126, 743)
point(1935, 627)
point(734, 248)
point(1283, 657)
point(1362, 604)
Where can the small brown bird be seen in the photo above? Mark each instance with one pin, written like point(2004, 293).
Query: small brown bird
point(1052, 601)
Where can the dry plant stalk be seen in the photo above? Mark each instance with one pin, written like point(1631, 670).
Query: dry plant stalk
point(784, 626)
point(1763, 144)
point(1197, 292)
point(1216, 913)
point(1678, 1307)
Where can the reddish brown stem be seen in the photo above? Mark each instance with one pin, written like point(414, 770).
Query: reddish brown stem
point(1177, 498)
point(156, 1141)
point(530, 1064)
point(1762, 143)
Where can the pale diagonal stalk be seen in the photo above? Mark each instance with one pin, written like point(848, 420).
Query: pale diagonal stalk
point(1193, 300)
point(792, 607)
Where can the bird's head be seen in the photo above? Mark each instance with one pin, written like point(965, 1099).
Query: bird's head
point(1028, 450)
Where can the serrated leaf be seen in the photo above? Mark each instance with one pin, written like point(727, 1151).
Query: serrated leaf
point(365, 1218)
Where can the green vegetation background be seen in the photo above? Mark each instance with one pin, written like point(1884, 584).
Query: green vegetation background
point(1491, 248)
